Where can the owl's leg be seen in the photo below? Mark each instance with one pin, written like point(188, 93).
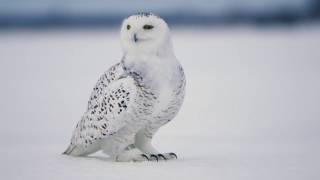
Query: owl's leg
point(120, 147)
point(143, 140)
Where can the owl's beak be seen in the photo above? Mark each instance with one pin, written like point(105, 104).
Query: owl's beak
point(135, 38)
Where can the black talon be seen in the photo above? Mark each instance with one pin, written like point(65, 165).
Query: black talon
point(173, 154)
point(152, 155)
point(145, 156)
point(162, 156)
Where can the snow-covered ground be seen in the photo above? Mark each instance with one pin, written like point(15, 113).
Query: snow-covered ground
point(252, 109)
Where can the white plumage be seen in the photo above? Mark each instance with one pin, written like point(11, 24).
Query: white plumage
point(135, 97)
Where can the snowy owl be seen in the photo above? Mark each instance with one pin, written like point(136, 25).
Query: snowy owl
point(135, 97)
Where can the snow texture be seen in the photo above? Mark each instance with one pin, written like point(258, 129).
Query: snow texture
point(251, 109)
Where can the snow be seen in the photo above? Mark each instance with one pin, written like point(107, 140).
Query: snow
point(251, 108)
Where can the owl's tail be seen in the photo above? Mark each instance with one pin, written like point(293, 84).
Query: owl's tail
point(69, 150)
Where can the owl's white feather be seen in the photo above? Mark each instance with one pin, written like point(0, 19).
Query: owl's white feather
point(135, 97)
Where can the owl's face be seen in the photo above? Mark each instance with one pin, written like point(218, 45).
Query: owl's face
point(144, 33)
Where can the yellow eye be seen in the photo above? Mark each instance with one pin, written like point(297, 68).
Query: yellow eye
point(128, 27)
point(147, 27)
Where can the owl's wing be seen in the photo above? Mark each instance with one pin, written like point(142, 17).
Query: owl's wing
point(113, 74)
point(108, 106)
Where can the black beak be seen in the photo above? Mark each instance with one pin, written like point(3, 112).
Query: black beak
point(135, 37)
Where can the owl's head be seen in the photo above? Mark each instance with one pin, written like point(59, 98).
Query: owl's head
point(145, 33)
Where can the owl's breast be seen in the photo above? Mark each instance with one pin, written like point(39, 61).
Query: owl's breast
point(158, 81)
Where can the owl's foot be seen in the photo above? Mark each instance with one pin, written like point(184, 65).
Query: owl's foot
point(134, 155)
point(167, 156)
point(151, 157)
point(159, 157)
point(136, 158)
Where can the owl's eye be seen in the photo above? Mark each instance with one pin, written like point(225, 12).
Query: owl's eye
point(147, 27)
point(128, 27)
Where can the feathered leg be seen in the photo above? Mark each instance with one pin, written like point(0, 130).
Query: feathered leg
point(143, 140)
point(120, 147)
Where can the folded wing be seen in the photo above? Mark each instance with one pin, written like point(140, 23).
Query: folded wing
point(109, 105)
